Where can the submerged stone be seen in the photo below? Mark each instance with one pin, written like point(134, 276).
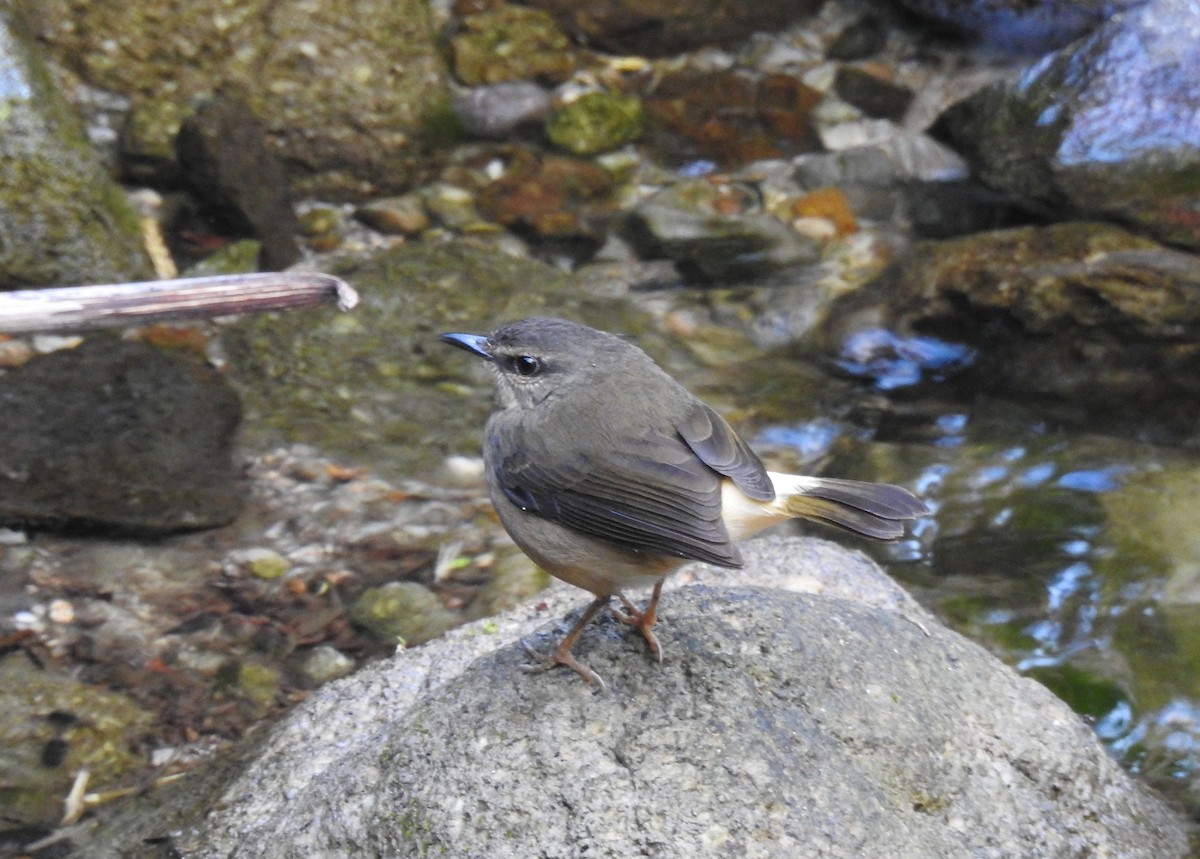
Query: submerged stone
point(596, 122)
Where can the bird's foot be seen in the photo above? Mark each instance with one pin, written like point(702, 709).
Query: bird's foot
point(560, 656)
point(643, 620)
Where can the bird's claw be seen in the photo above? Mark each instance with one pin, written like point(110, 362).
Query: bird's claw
point(643, 620)
point(559, 656)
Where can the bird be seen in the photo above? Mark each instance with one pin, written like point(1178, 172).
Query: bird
point(609, 474)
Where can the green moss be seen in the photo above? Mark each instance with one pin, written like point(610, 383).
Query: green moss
point(404, 611)
point(148, 137)
point(376, 382)
point(596, 122)
point(235, 258)
point(100, 738)
point(511, 43)
point(258, 683)
point(1084, 692)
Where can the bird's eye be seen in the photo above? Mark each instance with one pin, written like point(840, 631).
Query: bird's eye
point(526, 365)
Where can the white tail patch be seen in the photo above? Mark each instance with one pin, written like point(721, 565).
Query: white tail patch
point(745, 517)
point(872, 509)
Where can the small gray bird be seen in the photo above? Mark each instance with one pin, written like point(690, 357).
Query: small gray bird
point(609, 474)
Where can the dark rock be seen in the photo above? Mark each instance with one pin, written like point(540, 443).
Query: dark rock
point(864, 38)
point(117, 435)
point(63, 221)
point(1107, 127)
point(943, 210)
point(240, 184)
point(871, 94)
point(660, 27)
point(1020, 25)
point(1082, 314)
point(778, 724)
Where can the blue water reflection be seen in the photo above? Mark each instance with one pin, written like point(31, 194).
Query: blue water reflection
point(1055, 549)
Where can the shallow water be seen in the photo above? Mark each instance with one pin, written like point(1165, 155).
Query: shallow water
point(1072, 555)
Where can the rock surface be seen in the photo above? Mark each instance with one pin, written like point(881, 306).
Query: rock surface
point(239, 183)
point(62, 220)
point(663, 26)
point(1086, 314)
point(1019, 25)
point(779, 724)
point(120, 435)
point(352, 93)
point(1105, 127)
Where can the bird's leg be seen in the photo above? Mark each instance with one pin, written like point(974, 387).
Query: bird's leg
point(561, 655)
point(643, 620)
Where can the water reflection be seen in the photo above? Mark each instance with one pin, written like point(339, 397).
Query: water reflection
point(893, 360)
point(1072, 555)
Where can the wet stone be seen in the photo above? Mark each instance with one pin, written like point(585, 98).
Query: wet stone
point(117, 435)
point(714, 233)
point(404, 215)
point(1106, 127)
point(731, 117)
point(511, 43)
point(499, 109)
point(241, 185)
point(551, 197)
point(405, 611)
point(596, 122)
point(872, 94)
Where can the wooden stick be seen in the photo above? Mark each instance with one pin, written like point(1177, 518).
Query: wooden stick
point(109, 305)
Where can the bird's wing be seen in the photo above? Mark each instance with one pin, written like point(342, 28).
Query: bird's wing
point(722, 450)
point(654, 495)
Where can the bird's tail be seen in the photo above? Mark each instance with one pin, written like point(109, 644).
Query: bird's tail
point(872, 509)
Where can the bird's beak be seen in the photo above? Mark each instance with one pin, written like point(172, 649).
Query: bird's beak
point(476, 344)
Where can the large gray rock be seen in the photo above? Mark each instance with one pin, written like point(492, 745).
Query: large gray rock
point(779, 724)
